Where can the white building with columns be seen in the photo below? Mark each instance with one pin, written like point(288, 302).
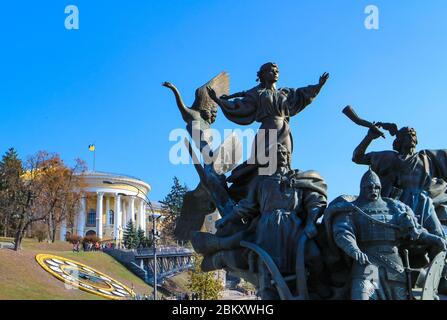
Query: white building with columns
point(108, 203)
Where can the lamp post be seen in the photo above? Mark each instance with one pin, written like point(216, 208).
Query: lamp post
point(154, 217)
point(155, 237)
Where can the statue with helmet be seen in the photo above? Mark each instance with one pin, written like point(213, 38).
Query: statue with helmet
point(375, 234)
point(277, 230)
point(417, 178)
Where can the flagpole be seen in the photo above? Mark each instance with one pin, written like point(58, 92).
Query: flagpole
point(92, 148)
point(94, 159)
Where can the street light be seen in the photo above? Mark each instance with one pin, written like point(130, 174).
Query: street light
point(155, 236)
point(154, 217)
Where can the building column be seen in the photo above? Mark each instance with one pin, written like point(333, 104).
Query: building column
point(131, 210)
point(107, 211)
point(82, 216)
point(142, 216)
point(99, 222)
point(117, 219)
point(124, 215)
point(137, 222)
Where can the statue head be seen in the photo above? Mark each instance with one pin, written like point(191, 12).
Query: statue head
point(406, 140)
point(208, 113)
point(283, 156)
point(269, 72)
point(370, 186)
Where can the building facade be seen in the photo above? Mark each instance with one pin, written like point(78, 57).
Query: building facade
point(108, 203)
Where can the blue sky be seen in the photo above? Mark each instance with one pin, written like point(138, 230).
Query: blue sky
point(62, 90)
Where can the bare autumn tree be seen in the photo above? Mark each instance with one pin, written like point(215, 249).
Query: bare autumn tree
point(63, 187)
point(50, 193)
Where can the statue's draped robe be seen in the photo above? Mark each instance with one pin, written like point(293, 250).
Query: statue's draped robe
point(282, 209)
point(273, 109)
point(418, 180)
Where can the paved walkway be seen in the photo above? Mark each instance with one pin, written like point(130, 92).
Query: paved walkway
point(236, 295)
point(6, 245)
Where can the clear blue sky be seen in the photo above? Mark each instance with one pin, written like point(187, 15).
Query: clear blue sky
point(61, 90)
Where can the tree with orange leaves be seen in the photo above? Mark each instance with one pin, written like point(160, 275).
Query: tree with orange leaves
point(50, 192)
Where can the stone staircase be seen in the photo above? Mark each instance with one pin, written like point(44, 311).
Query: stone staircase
point(127, 258)
point(6, 243)
point(130, 259)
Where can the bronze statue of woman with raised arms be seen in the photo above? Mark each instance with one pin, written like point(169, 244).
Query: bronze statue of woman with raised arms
point(270, 106)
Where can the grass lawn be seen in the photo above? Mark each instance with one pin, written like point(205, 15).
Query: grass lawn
point(22, 278)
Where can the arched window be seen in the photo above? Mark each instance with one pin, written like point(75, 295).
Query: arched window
point(91, 218)
point(91, 233)
point(111, 217)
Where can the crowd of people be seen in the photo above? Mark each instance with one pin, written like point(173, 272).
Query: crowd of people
point(92, 246)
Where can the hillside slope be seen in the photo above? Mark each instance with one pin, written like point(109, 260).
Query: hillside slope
point(21, 277)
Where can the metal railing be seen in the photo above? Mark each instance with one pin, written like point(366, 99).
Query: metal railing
point(163, 250)
point(166, 251)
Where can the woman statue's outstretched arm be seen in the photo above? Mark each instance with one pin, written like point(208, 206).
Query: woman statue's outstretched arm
point(223, 100)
